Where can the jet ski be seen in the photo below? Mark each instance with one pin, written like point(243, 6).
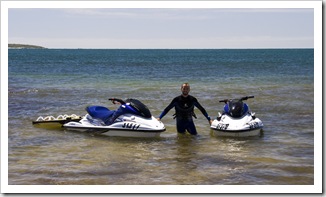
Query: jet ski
point(237, 120)
point(131, 119)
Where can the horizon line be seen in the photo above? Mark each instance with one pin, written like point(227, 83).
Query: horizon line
point(166, 48)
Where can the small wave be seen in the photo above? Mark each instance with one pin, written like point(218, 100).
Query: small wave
point(24, 91)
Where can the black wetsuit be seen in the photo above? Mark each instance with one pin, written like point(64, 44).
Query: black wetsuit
point(184, 111)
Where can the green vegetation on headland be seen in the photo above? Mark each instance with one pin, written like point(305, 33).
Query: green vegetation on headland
point(24, 46)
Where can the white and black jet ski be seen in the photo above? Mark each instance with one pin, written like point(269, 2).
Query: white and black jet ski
point(236, 120)
point(131, 119)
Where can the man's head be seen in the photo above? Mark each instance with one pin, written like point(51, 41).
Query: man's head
point(185, 89)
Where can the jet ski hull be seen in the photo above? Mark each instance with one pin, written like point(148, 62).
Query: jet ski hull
point(126, 126)
point(245, 126)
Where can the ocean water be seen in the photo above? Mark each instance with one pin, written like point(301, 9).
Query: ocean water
point(65, 81)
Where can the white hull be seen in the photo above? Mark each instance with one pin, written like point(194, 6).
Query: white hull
point(126, 126)
point(245, 126)
point(250, 133)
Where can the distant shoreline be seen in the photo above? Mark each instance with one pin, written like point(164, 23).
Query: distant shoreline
point(28, 46)
point(24, 46)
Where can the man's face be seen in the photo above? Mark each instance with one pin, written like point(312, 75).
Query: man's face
point(185, 90)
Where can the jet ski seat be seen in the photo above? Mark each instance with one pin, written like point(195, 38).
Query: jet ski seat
point(99, 112)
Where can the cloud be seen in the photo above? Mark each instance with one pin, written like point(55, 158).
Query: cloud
point(103, 13)
point(163, 28)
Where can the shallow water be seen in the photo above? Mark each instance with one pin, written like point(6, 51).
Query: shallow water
point(53, 82)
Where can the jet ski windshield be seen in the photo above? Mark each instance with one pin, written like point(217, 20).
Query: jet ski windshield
point(140, 108)
point(236, 108)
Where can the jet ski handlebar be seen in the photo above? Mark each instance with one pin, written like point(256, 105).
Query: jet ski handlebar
point(114, 100)
point(224, 101)
point(246, 97)
point(241, 99)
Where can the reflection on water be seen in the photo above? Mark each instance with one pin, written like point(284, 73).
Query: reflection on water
point(74, 158)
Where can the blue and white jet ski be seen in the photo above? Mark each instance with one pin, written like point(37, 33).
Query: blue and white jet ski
point(236, 120)
point(131, 119)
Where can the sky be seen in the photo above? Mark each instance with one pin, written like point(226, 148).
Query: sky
point(166, 28)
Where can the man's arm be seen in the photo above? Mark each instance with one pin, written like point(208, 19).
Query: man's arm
point(167, 109)
point(201, 108)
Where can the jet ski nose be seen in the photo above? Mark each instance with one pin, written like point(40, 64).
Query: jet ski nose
point(160, 125)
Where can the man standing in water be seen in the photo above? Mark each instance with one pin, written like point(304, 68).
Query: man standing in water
point(184, 111)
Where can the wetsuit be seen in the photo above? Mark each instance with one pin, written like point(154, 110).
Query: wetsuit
point(184, 108)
